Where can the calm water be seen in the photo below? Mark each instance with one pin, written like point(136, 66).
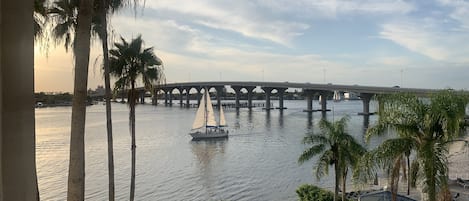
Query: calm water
point(257, 162)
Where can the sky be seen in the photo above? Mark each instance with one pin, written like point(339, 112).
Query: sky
point(418, 44)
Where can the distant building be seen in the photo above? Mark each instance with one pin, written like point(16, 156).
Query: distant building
point(351, 96)
point(98, 92)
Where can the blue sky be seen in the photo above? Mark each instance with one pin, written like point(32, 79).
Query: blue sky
point(422, 44)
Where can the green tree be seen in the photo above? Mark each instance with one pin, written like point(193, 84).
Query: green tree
point(425, 126)
point(129, 62)
point(40, 16)
point(76, 173)
point(64, 13)
point(308, 192)
point(335, 147)
point(100, 26)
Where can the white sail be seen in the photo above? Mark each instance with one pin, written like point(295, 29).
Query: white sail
point(199, 120)
point(222, 118)
point(336, 96)
point(210, 114)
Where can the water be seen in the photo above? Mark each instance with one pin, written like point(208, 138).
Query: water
point(257, 162)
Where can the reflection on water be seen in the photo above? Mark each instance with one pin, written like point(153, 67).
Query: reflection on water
point(257, 162)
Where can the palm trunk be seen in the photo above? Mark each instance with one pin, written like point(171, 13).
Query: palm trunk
point(107, 84)
point(344, 181)
point(337, 181)
point(76, 174)
point(395, 178)
point(132, 130)
point(408, 174)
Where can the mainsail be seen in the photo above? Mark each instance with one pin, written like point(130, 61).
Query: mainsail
point(199, 121)
point(210, 114)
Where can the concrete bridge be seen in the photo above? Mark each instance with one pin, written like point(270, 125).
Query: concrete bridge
point(364, 92)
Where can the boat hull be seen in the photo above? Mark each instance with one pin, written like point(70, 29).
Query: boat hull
point(208, 135)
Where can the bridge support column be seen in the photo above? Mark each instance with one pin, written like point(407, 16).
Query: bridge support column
point(181, 97)
point(250, 91)
point(199, 95)
point(268, 92)
point(237, 95)
point(323, 96)
point(166, 97)
point(281, 92)
point(171, 97)
point(154, 97)
point(188, 96)
point(309, 100)
point(219, 94)
point(142, 97)
point(366, 97)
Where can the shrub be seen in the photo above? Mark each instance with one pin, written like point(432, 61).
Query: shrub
point(307, 192)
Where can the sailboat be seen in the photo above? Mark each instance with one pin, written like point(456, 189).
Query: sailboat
point(205, 126)
point(337, 97)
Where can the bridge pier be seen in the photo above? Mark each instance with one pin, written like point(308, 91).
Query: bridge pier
point(219, 94)
point(237, 90)
point(181, 97)
point(250, 91)
point(281, 92)
point(166, 96)
point(309, 100)
point(268, 91)
point(171, 97)
point(366, 97)
point(199, 95)
point(188, 95)
point(142, 97)
point(154, 97)
point(323, 97)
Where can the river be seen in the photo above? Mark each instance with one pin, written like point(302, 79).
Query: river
point(257, 162)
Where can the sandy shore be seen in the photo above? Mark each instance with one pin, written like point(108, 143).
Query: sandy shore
point(458, 167)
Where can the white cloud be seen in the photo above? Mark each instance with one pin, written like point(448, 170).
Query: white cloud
point(276, 21)
point(416, 39)
point(429, 38)
point(459, 12)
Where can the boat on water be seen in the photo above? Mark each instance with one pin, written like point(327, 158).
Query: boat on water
point(205, 126)
point(337, 97)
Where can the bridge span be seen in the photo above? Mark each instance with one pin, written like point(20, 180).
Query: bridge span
point(309, 89)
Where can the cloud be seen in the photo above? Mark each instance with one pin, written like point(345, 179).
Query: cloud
point(429, 38)
point(459, 11)
point(275, 21)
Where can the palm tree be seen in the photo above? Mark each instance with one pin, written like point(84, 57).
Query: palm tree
point(128, 62)
point(104, 8)
point(40, 16)
point(389, 156)
point(335, 147)
point(76, 174)
point(64, 13)
point(424, 126)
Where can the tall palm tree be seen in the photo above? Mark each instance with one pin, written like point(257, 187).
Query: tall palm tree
point(104, 8)
point(424, 126)
point(129, 62)
point(335, 147)
point(40, 16)
point(64, 13)
point(76, 174)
